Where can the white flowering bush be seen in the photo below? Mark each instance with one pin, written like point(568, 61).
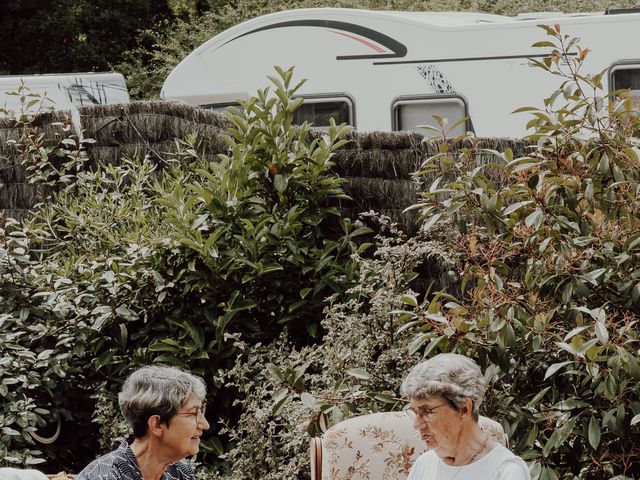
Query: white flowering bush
point(288, 394)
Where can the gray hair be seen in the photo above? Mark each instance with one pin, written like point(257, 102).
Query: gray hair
point(157, 390)
point(449, 375)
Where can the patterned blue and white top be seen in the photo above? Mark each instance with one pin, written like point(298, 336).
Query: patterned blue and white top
point(121, 464)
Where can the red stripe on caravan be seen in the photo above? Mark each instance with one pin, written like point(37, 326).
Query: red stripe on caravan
point(375, 48)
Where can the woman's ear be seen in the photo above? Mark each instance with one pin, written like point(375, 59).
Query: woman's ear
point(154, 425)
point(468, 408)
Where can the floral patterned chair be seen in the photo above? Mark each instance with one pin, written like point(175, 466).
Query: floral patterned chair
point(379, 446)
point(7, 473)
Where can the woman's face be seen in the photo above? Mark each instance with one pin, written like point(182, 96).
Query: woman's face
point(182, 433)
point(439, 424)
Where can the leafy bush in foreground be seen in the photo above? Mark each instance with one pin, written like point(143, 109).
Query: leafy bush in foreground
point(172, 262)
point(356, 368)
point(547, 256)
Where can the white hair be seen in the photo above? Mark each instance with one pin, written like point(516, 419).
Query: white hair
point(448, 375)
point(157, 390)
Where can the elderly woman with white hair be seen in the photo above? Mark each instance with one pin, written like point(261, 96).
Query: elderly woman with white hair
point(166, 410)
point(445, 394)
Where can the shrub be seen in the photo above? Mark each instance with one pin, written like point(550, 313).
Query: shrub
point(356, 368)
point(32, 355)
point(38, 378)
point(170, 262)
point(546, 280)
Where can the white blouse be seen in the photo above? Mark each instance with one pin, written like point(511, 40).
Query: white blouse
point(499, 464)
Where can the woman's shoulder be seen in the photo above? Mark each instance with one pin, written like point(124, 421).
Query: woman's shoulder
point(507, 465)
point(182, 470)
point(114, 465)
point(426, 462)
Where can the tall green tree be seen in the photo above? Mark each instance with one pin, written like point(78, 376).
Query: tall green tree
point(51, 36)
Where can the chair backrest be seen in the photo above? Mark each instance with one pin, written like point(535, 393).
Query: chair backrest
point(378, 446)
point(7, 473)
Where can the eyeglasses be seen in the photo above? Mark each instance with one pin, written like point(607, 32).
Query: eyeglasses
point(197, 413)
point(424, 413)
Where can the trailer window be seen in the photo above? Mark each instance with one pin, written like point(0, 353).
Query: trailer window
point(319, 111)
point(626, 76)
point(409, 112)
point(315, 110)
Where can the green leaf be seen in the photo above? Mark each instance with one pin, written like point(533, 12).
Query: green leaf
point(280, 182)
point(635, 293)
point(304, 292)
point(526, 109)
point(359, 373)
point(570, 404)
point(216, 445)
point(417, 343)
point(104, 359)
point(592, 277)
point(548, 473)
point(275, 372)
point(567, 292)
point(384, 398)
point(559, 436)
point(601, 332)
point(309, 400)
point(432, 220)
point(555, 367)
point(432, 344)
point(534, 219)
point(538, 396)
point(166, 345)
point(594, 433)
point(409, 300)
point(515, 206)
point(544, 43)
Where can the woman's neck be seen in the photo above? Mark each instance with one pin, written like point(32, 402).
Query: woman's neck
point(472, 444)
point(150, 459)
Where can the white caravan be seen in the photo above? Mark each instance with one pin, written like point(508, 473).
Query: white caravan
point(394, 70)
point(66, 91)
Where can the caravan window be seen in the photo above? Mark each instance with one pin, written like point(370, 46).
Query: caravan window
point(626, 76)
point(318, 110)
point(409, 112)
point(315, 110)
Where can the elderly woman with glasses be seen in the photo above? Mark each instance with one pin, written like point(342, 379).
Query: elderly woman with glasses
point(166, 410)
point(445, 393)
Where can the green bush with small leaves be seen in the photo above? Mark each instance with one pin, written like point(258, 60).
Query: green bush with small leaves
point(170, 261)
point(547, 261)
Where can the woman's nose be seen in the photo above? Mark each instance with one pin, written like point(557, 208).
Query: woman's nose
point(203, 424)
point(417, 421)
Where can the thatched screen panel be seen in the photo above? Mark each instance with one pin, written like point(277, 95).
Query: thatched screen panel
point(150, 121)
point(160, 151)
point(376, 165)
point(381, 193)
point(138, 128)
point(18, 195)
point(378, 162)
